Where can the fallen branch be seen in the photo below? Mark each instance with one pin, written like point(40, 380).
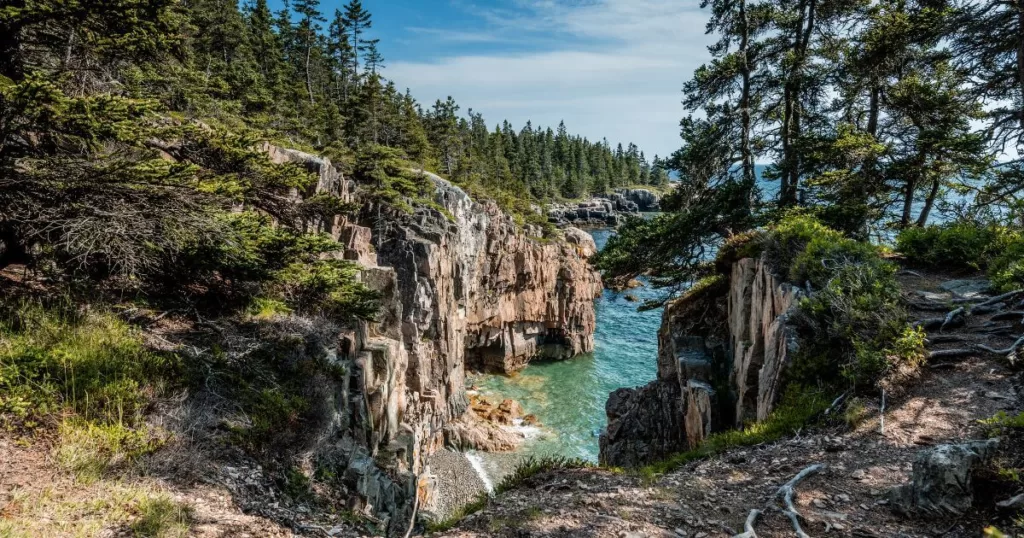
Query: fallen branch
point(909, 273)
point(835, 403)
point(929, 306)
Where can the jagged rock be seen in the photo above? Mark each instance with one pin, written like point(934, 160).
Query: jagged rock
point(644, 199)
point(941, 481)
point(461, 285)
point(749, 361)
point(586, 247)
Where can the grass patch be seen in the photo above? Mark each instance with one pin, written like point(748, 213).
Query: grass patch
point(91, 364)
point(798, 410)
point(526, 470)
point(89, 450)
point(161, 517)
point(97, 509)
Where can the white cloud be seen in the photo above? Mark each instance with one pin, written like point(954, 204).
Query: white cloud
point(609, 68)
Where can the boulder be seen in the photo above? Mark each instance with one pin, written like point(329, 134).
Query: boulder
point(941, 482)
point(584, 242)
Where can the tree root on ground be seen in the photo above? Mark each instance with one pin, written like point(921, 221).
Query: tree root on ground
point(785, 495)
point(951, 353)
point(1005, 352)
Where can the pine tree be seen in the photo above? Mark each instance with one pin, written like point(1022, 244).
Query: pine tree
point(307, 33)
point(357, 21)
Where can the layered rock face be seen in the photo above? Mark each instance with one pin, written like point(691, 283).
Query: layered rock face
point(709, 378)
point(462, 287)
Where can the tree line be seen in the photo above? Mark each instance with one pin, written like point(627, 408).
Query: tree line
point(870, 115)
point(317, 79)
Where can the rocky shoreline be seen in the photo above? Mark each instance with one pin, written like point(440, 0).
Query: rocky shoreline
point(608, 210)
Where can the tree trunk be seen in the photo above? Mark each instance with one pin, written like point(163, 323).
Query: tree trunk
point(791, 126)
point(908, 201)
point(1020, 56)
point(928, 203)
point(309, 80)
point(747, 153)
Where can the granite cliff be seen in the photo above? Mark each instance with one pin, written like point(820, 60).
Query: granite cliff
point(463, 287)
point(721, 358)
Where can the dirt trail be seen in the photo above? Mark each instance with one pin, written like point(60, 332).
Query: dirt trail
point(712, 498)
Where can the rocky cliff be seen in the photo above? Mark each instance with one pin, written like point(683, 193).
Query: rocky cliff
point(463, 287)
point(722, 353)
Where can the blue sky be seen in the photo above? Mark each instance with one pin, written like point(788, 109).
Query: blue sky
point(609, 68)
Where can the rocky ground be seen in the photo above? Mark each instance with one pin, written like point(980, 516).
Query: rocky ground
point(848, 497)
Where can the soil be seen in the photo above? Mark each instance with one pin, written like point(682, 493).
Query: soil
point(943, 402)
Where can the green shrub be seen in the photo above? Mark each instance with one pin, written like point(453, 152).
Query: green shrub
point(789, 237)
point(825, 255)
point(960, 245)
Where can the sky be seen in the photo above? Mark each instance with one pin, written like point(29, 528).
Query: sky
point(609, 68)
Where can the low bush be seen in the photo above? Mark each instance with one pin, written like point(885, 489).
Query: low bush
point(960, 245)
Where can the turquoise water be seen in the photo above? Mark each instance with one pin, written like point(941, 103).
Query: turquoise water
point(568, 397)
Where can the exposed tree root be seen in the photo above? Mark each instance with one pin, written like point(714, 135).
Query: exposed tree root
point(999, 298)
point(748, 527)
point(785, 495)
point(953, 319)
point(907, 272)
point(1012, 314)
point(787, 491)
point(1004, 352)
point(987, 309)
point(951, 353)
point(943, 339)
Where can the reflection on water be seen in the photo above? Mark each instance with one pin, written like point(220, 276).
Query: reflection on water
point(568, 397)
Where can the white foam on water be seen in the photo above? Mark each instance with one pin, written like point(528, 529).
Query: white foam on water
point(478, 465)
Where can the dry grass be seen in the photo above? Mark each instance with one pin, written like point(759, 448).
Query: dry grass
point(88, 512)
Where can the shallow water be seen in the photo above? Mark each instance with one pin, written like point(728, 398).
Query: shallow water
point(568, 397)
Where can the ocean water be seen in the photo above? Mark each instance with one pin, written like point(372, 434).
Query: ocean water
point(568, 397)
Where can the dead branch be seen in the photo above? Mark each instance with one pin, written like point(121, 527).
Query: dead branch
point(929, 306)
point(910, 273)
point(835, 403)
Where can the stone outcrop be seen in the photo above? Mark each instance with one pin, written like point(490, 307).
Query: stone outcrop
point(941, 481)
point(605, 210)
point(711, 376)
point(462, 286)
